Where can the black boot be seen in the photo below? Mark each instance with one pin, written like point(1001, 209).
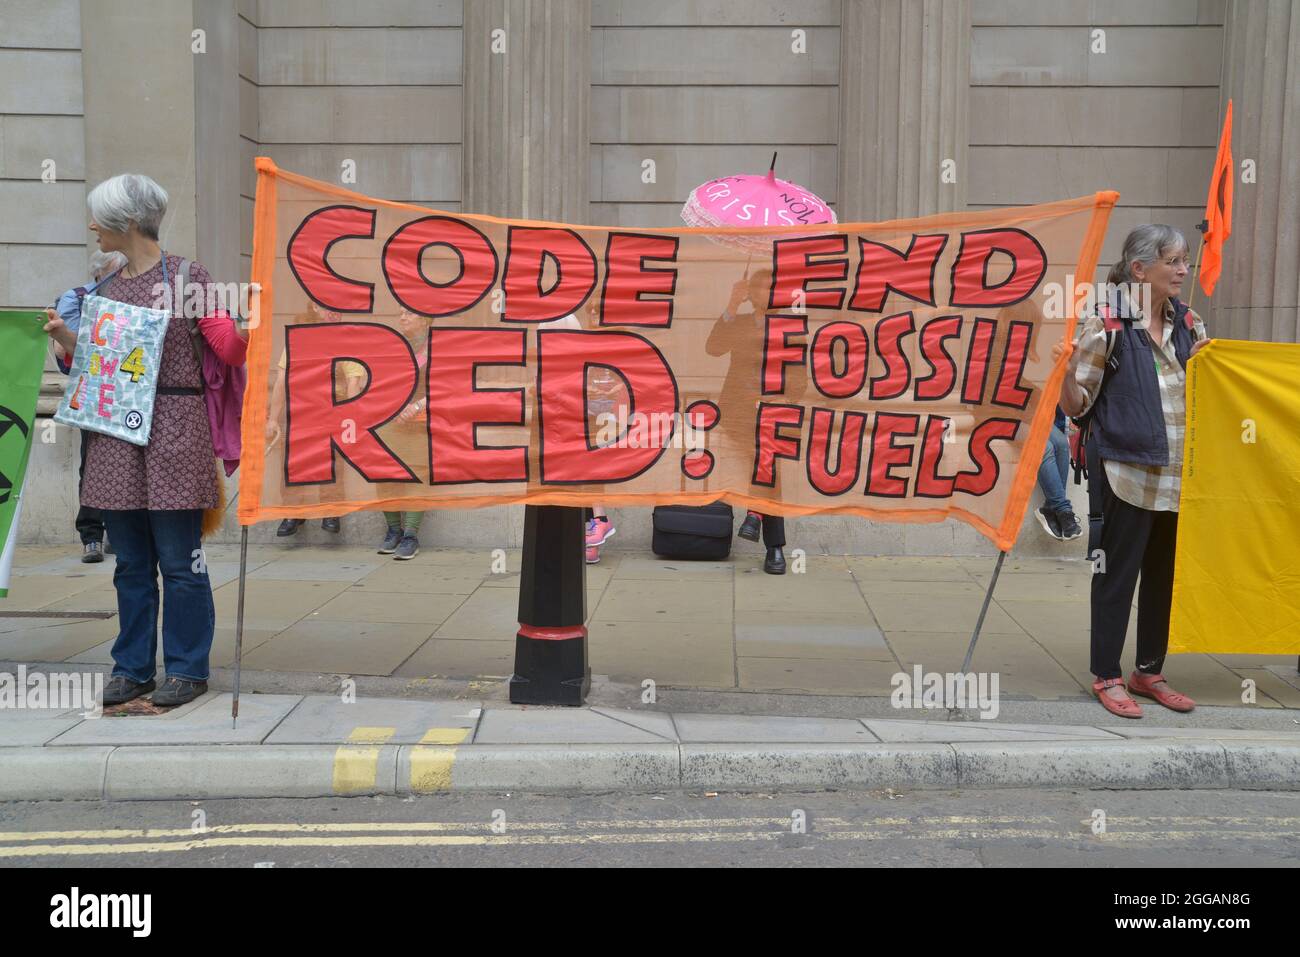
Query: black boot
point(751, 527)
point(774, 564)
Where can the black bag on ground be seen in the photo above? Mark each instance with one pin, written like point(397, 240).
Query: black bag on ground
point(696, 532)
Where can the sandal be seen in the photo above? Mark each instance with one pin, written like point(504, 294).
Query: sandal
point(1145, 685)
point(1120, 707)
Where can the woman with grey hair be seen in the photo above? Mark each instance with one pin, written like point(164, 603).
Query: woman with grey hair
point(152, 497)
point(1127, 378)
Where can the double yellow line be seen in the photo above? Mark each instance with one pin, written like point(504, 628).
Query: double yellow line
point(356, 764)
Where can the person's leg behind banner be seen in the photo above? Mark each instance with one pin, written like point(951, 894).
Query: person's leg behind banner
point(408, 546)
point(189, 615)
point(1056, 514)
point(135, 578)
point(774, 541)
point(393, 535)
point(599, 531)
point(89, 522)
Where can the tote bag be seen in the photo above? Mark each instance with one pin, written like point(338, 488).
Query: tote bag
point(114, 375)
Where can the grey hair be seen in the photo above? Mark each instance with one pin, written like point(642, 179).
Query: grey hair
point(129, 198)
point(1145, 244)
point(102, 263)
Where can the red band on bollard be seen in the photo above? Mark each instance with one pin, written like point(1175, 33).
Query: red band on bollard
point(553, 634)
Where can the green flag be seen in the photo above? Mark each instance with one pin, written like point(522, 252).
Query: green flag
point(23, 344)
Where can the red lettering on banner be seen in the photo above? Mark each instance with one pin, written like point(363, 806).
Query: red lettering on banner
point(977, 362)
point(627, 279)
point(309, 247)
point(769, 444)
point(777, 351)
point(527, 250)
point(567, 454)
point(856, 351)
point(970, 271)
point(940, 382)
point(885, 454)
point(414, 290)
point(1009, 391)
point(882, 268)
point(316, 422)
point(845, 474)
point(793, 268)
point(898, 371)
point(457, 406)
point(987, 467)
point(929, 483)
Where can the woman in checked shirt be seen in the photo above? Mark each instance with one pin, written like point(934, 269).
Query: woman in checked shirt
point(1138, 418)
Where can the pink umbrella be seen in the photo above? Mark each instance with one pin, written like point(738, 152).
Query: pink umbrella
point(749, 200)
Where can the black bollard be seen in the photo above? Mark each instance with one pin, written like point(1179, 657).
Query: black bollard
point(551, 645)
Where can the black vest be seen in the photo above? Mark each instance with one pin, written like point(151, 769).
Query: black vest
point(1127, 422)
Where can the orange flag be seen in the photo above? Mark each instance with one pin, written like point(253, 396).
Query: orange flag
point(1218, 209)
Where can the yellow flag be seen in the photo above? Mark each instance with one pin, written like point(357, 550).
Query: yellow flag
point(1237, 572)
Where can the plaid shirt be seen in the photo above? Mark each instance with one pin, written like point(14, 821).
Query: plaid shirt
point(1155, 488)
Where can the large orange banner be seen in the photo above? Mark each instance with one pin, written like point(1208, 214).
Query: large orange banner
point(404, 358)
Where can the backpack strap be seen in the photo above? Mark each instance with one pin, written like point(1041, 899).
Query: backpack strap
point(191, 321)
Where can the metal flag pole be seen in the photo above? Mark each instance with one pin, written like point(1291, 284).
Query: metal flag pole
point(979, 623)
point(239, 623)
point(1203, 226)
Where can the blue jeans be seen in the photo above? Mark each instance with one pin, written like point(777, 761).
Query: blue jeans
point(1054, 470)
point(147, 542)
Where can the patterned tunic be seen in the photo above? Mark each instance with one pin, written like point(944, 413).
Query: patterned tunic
point(177, 469)
point(1155, 488)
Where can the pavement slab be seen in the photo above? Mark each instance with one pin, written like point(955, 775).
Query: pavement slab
point(819, 676)
point(34, 731)
point(547, 726)
point(207, 723)
point(460, 658)
point(56, 640)
point(339, 647)
point(318, 719)
point(793, 635)
point(731, 728)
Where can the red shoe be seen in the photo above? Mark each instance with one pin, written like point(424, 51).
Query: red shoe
point(1145, 685)
point(1121, 707)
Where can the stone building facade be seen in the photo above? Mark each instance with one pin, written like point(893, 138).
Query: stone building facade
point(867, 102)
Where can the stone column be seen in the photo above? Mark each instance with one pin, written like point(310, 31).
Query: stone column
point(138, 77)
point(155, 106)
point(904, 103)
point(527, 106)
point(1258, 292)
point(217, 152)
point(527, 155)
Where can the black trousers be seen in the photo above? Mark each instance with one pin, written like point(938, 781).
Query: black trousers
point(773, 530)
point(1133, 541)
point(90, 524)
